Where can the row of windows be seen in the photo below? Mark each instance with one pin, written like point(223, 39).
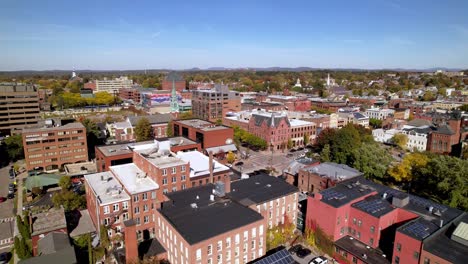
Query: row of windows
point(115, 207)
point(173, 170)
point(174, 179)
point(144, 196)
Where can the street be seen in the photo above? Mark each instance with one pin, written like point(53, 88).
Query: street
point(7, 216)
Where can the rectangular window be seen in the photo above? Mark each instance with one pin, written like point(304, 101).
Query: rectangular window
point(228, 255)
point(116, 207)
point(354, 260)
point(164, 181)
point(165, 191)
point(237, 239)
point(246, 235)
point(209, 250)
point(182, 168)
point(228, 242)
point(397, 260)
point(145, 208)
point(146, 219)
point(135, 198)
point(137, 220)
point(372, 229)
point(174, 189)
point(125, 216)
point(182, 178)
point(371, 241)
point(106, 209)
point(174, 179)
point(137, 210)
point(416, 255)
point(124, 205)
point(219, 246)
point(254, 232)
point(198, 254)
point(260, 230)
point(144, 196)
point(164, 172)
point(153, 195)
point(174, 170)
point(253, 244)
point(398, 247)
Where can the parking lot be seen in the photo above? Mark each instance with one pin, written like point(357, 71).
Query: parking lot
point(6, 210)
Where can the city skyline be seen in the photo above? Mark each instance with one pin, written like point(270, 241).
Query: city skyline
point(385, 34)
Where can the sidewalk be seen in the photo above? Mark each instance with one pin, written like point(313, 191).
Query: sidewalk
point(19, 208)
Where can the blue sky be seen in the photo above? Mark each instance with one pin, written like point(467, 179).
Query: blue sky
point(113, 35)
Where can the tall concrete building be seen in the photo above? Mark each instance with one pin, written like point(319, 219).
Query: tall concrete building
point(19, 107)
point(113, 85)
point(214, 103)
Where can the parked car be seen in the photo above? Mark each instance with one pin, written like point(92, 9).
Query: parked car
point(11, 195)
point(289, 155)
point(11, 187)
point(2, 199)
point(295, 248)
point(292, 150)
point(4, 257)
point(319, 260)
point(303, 252)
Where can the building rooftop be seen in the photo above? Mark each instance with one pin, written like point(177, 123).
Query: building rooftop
point(160, 155)
point(374, 205)
point(74, 125)
point(52, 243)
point(280, 257)
point(259, 189)
point(298, 164)
point(419, 123)
point(85, 224)
point(192, 214)
point(123, 148)
point(199, 163)
point(150, 248)
point(81, 168)
point(106, 188)
point(48, 221)
point(297, 122)
point(444, 245)
point(361, 251)
point(201, 124)
point(334, 171)
point(177, 141)
point(133, 179)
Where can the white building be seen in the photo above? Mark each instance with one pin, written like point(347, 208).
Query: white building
point(380, 114)
point(114, 85)
point(417, 138)
point(384, 136)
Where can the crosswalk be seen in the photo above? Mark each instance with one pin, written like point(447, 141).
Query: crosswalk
point(6, 220)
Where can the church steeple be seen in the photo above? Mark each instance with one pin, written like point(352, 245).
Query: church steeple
point(174, 100)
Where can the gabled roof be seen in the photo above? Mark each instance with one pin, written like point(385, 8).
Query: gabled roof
point(52, 243)
point(271, 120)
point(444, 129)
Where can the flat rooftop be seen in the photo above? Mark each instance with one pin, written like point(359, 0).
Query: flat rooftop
point(297, 122)
point(106, 187)
point(374, 205)
point(160, 155)
point(193, 218)
point(259, 189)
point(334, 171)
point(199, 163)
point(177, 141)
point(48, 221)
point(360, 250)
point(201, 124)
point(133, 179)
point(74, 125)
point(121, 149)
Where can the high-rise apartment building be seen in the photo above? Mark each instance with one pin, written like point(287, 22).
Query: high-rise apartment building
point(49, 148)
point(214, 103)
point(19, 107)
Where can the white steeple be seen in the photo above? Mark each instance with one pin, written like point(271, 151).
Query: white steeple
point(328, 80)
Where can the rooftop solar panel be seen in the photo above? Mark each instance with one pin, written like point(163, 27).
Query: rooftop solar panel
point(280, 257)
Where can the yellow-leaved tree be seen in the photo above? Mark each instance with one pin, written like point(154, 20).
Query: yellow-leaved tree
point(403, 172)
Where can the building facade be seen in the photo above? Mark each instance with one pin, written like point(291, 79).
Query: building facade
point(49, 148)
point(19, 107)
point(214, 103)
point(114, 85)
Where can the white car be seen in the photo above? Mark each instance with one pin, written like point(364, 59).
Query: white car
point(319, 260)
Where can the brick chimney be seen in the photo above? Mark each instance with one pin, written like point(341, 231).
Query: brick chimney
point(131, 243)
point(210, 164)
point(227, 183)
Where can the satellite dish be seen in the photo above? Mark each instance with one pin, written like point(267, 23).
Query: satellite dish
point(228, 141)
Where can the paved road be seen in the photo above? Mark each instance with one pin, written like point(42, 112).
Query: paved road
point(7, 218)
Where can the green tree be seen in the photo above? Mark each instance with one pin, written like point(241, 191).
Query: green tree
point(170, 129)
point(23, 227)
point(372, 160)
point(429, 96)
point(325, 154)
point(92, 136)
point(22, 248)
point(69, 200)
point(405, 170)
point(14, 147)
point(219, 122)
point(306, 140)
point(375, 123)
point(143, 130)
point(289, 145)
point(105, 241)
point(65, 183)
point(400, 140)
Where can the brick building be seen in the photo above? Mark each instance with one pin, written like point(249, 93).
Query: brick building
point(51, 221)
point(125, 131)
point(214, 103)
point(213, 138)
point(117, 154)
point(324, 104)
point(292, 103)
point(291, 172)
point(313, 179)
point(176, 79)
point(19, 107)
point(49, 148)
point(372, 223)
point(267, 106)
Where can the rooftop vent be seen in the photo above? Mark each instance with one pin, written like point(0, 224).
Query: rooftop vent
point(198, 197)
point(268, 185)
point(194, 205)
point(212, 197)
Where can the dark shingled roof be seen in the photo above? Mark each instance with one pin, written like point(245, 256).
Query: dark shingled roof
point(270, 120)
point(52, 243)
point(174, 76)
point(440, 244)
point(419, 122)
point(153, 119)
point(150, 248)
point(259, 189)
point(374, 206)
point(196, 224)
point(54, 248)
point(444, 129)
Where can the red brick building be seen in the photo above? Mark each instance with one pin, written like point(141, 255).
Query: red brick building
point(176, 79)
point(292, 103)
point(271, 127)
point(213, 104)
point(324, 104)
point(51, 221)
point(209, 135)
point(372, 223)
point(49, 148)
